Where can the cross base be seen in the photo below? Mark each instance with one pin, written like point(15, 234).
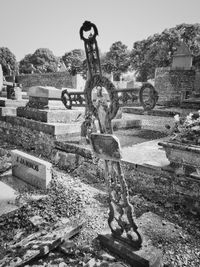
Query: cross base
point(146, 256)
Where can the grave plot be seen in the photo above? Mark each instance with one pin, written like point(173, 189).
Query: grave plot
point(121, 237)
point(80, 199)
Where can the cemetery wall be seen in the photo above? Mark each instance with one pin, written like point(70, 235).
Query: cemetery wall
point(173, 84)
point(197, 81)
point(55, 79)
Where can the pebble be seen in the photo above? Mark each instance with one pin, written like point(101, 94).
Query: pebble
point(62, 264)
point(107, 257)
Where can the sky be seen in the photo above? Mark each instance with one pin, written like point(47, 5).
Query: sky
point(26, 25)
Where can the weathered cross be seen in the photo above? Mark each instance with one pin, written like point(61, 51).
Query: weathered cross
point(105, 145)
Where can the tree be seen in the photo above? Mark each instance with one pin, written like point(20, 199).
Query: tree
point(7, 60)
point(74, 60)
point(42, 60)
point(157, 50)
point(116, 60)
point(25, 64)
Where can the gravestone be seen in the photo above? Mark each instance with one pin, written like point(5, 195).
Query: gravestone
point(44, 97)
point(30, 169)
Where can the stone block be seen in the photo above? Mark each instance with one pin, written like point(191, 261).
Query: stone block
point(4, 102)
point(45, 103)
point(146, 256)
point(50, 116)
point(7, 111)
point(48, 128)
point(44, 91)
point(30, 169)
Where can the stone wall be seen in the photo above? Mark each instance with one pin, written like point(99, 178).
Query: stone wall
point(197, 81)
point(173, 85)
point(55, 79)
point(165, 187)
point(38, 144)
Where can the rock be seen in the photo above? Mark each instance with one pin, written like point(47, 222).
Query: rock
point(18, 235)
point(37, 220)
point(68, 247)
point(116, 264)
point(107, 257)
point(62, 264)
point(91, 263)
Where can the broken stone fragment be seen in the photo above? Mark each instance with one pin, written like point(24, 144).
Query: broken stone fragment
point(107, 257)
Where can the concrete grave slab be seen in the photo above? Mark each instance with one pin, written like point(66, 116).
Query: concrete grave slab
point(7, 198)
point(146, 153)
point(48, 128)
point(51, 116)
point(30, 169)
point(10, 187)
point(45, 92)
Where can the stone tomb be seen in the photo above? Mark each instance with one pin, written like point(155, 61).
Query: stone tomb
point(30, 169)
point(45, 112)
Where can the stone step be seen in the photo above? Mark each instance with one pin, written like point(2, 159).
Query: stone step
point(55, 129)
point(4, 102)
point(51, 116)
point(7, 111)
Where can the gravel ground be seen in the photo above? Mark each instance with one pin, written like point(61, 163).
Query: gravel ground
point(82, 197)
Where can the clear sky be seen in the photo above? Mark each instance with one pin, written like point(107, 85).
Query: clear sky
point(26, 25)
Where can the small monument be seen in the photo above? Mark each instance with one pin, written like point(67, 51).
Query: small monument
point(46, 108)
point(30, 169)
point(182, 58)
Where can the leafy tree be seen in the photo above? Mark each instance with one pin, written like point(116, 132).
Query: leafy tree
point(116, 60)
point(25, 64)
point(7, 60)
point(42, 60)
point(74, 60)
point(157, 50)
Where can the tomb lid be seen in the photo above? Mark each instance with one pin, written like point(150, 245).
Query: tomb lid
point(45, 91)
point(182, 50)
